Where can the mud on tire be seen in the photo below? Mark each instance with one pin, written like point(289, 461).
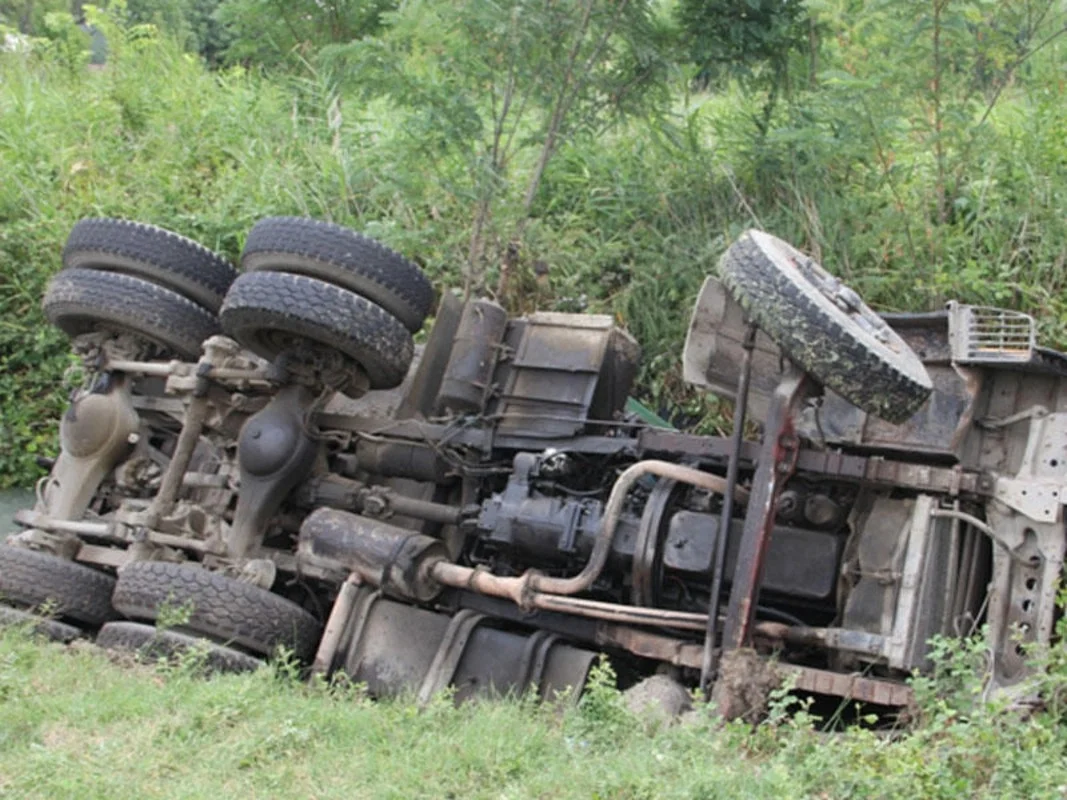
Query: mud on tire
point(852, 352)
point(155, 254)
point(222, 608)
point(154, 643)
point(268, 311)
point(80, 301)
point(344, 258)
point(66, 589)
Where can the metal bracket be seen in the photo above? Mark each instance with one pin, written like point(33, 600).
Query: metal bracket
point(446, 659)
point(777, 460)
point(1040, 501)
point(1039, 488)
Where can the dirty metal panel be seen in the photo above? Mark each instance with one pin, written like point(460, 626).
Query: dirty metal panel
point(1040, 501)
point(561, 345)
point(497, 662)
point(873, 564)
point(1039, 488)
point(419, 390)
point(536, 388)
point(617, 375)
point(849, 687)
point(935, 428)
point(714, 345)
point(396, 648)
point(553, 374)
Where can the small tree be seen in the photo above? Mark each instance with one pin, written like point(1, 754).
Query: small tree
point(504, 85)
point(752, 41)
point(271, 32)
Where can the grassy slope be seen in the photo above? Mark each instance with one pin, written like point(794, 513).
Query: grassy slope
point(72, 724)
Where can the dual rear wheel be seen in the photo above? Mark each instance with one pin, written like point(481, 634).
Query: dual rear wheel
point(122, 277)
point(317, 286)
point(307, 285)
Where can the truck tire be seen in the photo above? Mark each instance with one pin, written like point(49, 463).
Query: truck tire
point(80, 301)
point(155, 254)
point(344, 258)
point(154, 643)
point(51, 629)
point(222, 608)
point(824, 327)
point(66, 589)
point(267, 311)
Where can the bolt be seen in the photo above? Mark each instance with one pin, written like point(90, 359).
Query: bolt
point(375, 505)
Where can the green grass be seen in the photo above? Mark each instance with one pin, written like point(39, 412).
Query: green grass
point(74, 724)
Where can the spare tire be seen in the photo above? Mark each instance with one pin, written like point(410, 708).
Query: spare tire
point(155, 254)
point(270, 312)
point(824, 327)
point(344, 258)
point(222, 608)
point(80, 301)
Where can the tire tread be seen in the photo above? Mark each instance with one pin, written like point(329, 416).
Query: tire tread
point(73, 590)
point(341, 256)
point(222, 608)
point(80, 301)
point(156, 254)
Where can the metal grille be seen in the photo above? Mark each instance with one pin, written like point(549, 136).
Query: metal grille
point(991, 335)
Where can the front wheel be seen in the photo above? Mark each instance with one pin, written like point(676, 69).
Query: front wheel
point(224, 609)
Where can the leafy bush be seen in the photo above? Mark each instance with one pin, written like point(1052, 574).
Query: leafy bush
point(626, 218)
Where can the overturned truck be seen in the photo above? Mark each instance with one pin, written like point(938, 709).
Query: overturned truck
point(263, 460)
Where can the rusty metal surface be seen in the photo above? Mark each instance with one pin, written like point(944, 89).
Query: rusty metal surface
point(873, 470)
point(709, 660)
point(777, 461)
point(848, 686)
point(394, 559)
point(678, 652)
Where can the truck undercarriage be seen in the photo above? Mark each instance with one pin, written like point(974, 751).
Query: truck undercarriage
point(266, 460)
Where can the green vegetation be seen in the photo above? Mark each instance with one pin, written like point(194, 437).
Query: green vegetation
point(128, 730)
point(557, 154)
